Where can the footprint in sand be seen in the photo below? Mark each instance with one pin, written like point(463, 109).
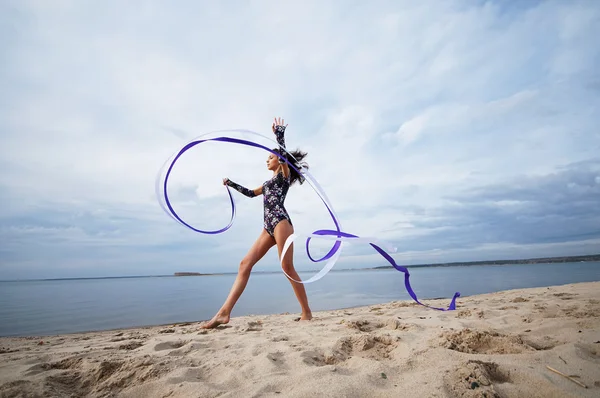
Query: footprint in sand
point(519, 300)
point(68, 363)
point(277, 358)
point(395, 324)
point(318, 358)
point(78, 377)
point(66, 384)
point(364, 325)
point(472, 341)
point(253, 326)
point(588, 352)
point(169, 345)
point(190, 375)
point(365, 346)
point(132, 345)
point(475, 378)
point(540, 343)
point(76, 383)
point(565, 296)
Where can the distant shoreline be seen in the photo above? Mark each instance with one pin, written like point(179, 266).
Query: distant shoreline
point(540, 260)
point(189, 274)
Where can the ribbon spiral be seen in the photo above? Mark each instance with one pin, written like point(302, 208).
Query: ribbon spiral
point(337, 235)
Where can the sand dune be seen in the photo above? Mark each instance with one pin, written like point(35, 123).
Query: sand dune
point(493, 345)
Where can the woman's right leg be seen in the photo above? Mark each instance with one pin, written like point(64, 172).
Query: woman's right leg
point(256, 252)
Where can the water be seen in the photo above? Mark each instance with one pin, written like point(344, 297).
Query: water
point(30, 308)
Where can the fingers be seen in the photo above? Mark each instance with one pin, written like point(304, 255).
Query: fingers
point(278, 122)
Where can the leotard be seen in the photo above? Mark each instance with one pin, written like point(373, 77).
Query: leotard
point(274, 191)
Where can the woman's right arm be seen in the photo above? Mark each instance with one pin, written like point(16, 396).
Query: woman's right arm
point(243, 190)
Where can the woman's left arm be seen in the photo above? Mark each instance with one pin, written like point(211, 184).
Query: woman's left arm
point(279, 130)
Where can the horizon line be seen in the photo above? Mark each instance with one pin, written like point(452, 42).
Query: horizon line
point(564, 259)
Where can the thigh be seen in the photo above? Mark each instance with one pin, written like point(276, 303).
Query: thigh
point(261, 246)
point(282, 231)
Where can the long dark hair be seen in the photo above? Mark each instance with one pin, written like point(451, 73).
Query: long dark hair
point(297, 162)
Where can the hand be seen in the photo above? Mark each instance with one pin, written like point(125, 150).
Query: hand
point(278, 122)
point(225, 181)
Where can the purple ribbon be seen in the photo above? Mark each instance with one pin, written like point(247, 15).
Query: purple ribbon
point(322, 232)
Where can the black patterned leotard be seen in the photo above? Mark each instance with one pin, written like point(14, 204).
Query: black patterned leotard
point(274, 192)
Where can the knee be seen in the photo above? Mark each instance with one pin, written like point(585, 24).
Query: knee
point(288, 267)
point(246, 266)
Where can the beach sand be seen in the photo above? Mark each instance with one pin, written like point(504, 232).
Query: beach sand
point(493, 345)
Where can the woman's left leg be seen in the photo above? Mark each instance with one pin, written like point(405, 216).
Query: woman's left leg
point(282, 231)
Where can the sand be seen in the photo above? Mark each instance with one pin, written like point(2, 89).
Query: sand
point(493, 345)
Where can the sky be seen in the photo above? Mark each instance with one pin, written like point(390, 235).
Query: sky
point(457, 131)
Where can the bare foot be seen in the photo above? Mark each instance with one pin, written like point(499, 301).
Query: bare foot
point(216, 321)
point(304, 317)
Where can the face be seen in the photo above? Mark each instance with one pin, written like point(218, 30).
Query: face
point(272, 162)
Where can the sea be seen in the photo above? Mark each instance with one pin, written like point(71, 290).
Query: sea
point(58, 306)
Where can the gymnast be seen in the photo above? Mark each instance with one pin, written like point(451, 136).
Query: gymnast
point(277, 226)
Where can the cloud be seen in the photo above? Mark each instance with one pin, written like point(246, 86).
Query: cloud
point(454, 130)
point(559, 207)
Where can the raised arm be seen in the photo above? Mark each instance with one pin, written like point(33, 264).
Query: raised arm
point(279, 134)
point(279, 131)
point(251, 193)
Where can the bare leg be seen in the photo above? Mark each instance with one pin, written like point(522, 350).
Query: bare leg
point(282, 231)
point(256, 252)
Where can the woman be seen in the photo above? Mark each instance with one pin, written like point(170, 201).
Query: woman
point(277, 227)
